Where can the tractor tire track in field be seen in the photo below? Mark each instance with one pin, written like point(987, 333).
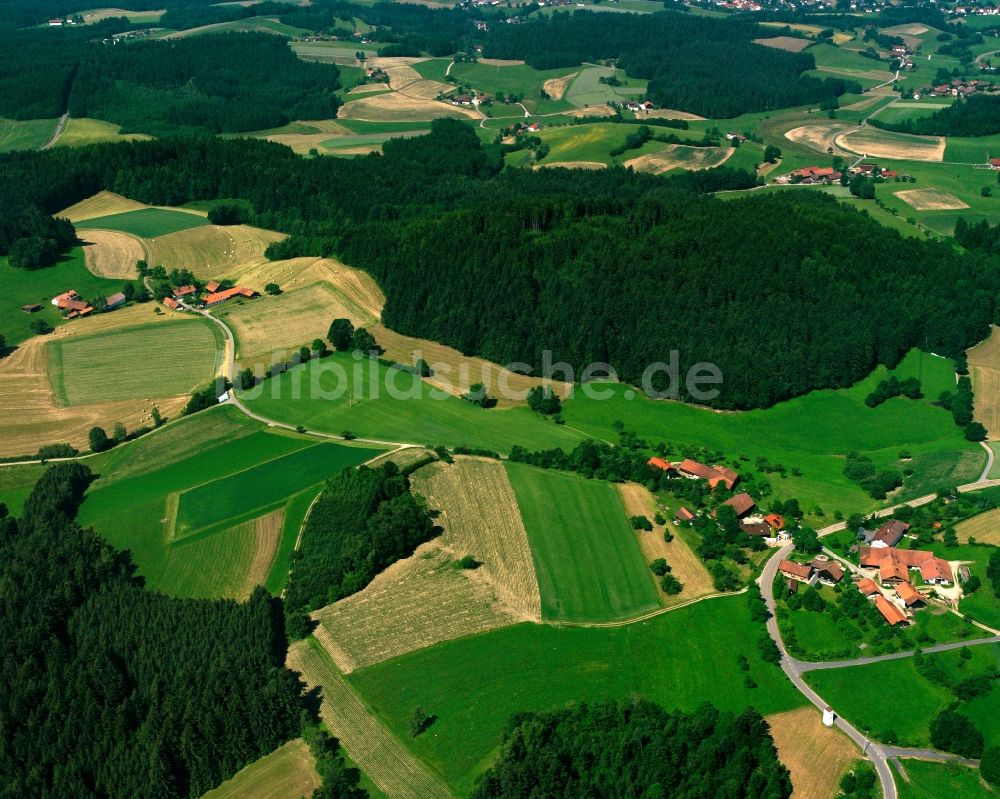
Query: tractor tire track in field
point(396, 772)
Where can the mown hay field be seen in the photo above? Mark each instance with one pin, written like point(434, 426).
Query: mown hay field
point(111, 254)
point(931, 200)
point(678, 156)
point(290, 320)
point(875, 143)
point(104, 203)
point(376, 750)
point(262, 485)
point(588, 563)
point(819, 136)
point(289, 772)
point(684, 564)
point(396, 107)
point(984, 368)
point(147, 223)
point(211, 251)
point(790, 44)
point(817, 756)
point(154, 360)
point(985, 528)
point(480, 516)
point(417, 602)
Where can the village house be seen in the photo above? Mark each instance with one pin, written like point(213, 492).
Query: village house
point(736, 137)
point(221, 296)
point(171, 303)
point(714, 474)
point(183, 291)
point(33, 307)
point(755, 525)
point(114, 301)
point(868, 588)
point(72, 304)
point(828, 572)
point(775, 521)
point(802, 572)
point(890, 612)
point(894, 565)
point(890, 533)
point(909, 595)
point(683, 515)
point(660, 463)
point(212, 286)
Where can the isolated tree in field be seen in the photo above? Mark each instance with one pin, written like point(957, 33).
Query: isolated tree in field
point(671, 585)
point(422, 368)
point(542, 399)
point(971, 585)
point(246, 379)
point(477, 396)
point(420, 722)
point(364, 341)
point(157, 419)
point(304, 354)
point(99, 440)
point(40, 326)
point(341, 334)
point(273, 289)
point(641, 523)
point(659, 567)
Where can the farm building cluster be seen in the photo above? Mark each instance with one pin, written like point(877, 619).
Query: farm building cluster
point(212, 294)
point(74, 306)
point(826, 175)
point(959, 88)
point(886, 575)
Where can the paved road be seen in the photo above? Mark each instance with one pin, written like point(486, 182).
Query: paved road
point(990, 457)
point(804, 666)
point(60, 127)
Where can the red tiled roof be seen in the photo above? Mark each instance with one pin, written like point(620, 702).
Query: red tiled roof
point(660, 463)
point(936, 569)
point(684, 514)
point(891, 532)
point(908, 594)
point(115, 299)
point(698, 469)
point(66, 296)
point(184, 291)
point(800, 570)
point(892, 614)
point(833, 569)
point(868, 587)
point(742, 503)
point(775, 520)
point(892, 569)
point(222, 296)
point(212, 285)
point(893, 563)
point(170, 302)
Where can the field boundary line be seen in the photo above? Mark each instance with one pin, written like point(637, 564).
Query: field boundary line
point(645, 616)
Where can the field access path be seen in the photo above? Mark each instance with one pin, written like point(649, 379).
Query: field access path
point(879, 754)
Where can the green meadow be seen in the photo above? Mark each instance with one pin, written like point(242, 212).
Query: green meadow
point(972, 149)
point(520, 79)
point(147, 223)
point(812, 433)
point(129, 504)
point(929, 780)
point(78, 367)
point(30, 286)
point(474, 685)
point(589, 565)
point(858, 694)
point(263, 485)
point(594, 141)
point(27, 134)
point(335, 394)
point(16, 482)
point(587, 89)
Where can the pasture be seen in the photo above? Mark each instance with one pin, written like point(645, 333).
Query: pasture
point(925, 779)
point(155, 360)
point(417, 602)
point(289, 772)
point(147, 223)
point(875, 143)
point(81, 132)
point(817, 756)
point(593, 142)
point(128, 504)
point(111, 254)
point(30, 286)
point(261, 486)
point(844, 63)
point(858, 694)
point(211, 250)
point(473, 685)
point(135, 17)
point(26, 134)
point(972, 150)
point(791, 44)
point(984, 368)
point(480, 517)
point(587, 89)
point(249, 25)
point(812, 433)
point(374, 748)
point(372, 400)
point(588, 563)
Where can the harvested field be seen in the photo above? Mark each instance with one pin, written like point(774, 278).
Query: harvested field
point(788, 43)
point(556, 87)
point(501, 62)
point(872, 99)
point(396, 107)
point(672, 113)
point(104, 203)
point(885, 144)
point(573, 165)
point(402, 76)
point(108, 253)
point(930, 200)
point(817, 756)
point(481, 518)
point(455, 372)
point(984, 366)
point(155, 360)
point(910, 29)
point(685, 565)
point(407, 457)
point(417, 602)
point(289, 320)
point(985, 528)
point(819, 137)
point(368, 742)
point(266, 538)
point(590, 111)
point(289, 772)
point(29, 417)
point(212, 251)
point(679, 156)
point(368, 88)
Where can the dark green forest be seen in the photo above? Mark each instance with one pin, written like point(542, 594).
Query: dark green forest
point(702, 65)
point(636, 751)
point(978, 115)
point(364, 521)
point(112, 691)
point(784, 292)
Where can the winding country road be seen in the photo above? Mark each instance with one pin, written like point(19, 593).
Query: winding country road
point(60, 127)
